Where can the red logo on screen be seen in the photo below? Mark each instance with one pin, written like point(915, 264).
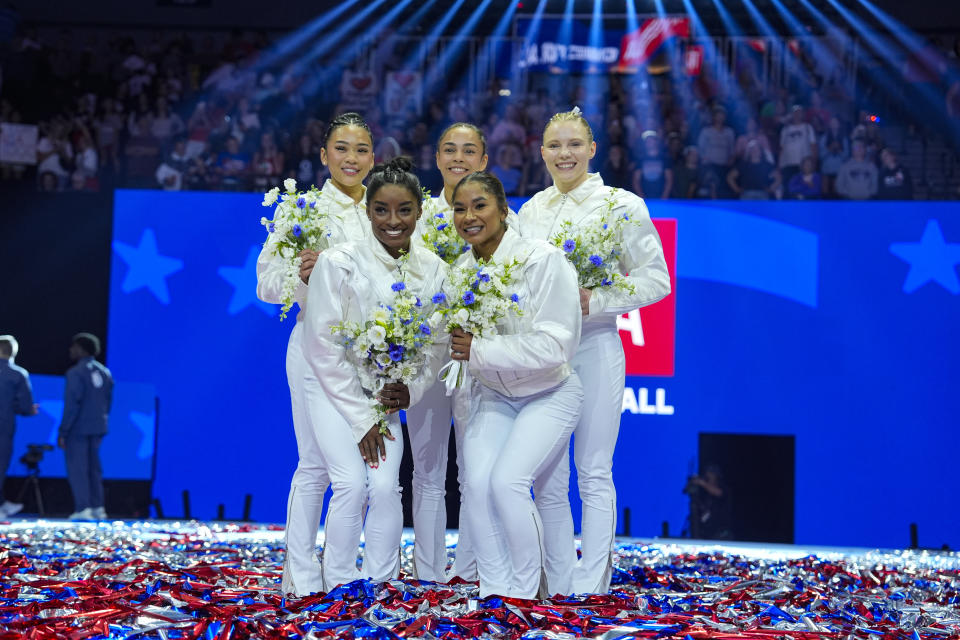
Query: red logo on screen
point(649, 334)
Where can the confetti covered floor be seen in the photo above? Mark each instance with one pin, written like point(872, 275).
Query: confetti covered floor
point(218, 581)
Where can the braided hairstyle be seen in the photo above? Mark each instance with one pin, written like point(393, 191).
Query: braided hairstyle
point(398, 171)
point(345, 120)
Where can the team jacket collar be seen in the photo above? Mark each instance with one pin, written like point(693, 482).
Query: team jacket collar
point(580, 193)
point(413, 265)
point(331, 191)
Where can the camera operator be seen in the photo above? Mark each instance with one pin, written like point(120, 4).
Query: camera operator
point(86, 405)
point(16, 398)
point(710, 509)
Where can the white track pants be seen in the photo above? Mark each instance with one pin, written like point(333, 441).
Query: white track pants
point(600, 364)
point(428, 424)
point(509, 443)
point(355, 484)
point(301, 568)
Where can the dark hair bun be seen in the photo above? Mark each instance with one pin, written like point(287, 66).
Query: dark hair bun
point(398, 171)
point(400, 163)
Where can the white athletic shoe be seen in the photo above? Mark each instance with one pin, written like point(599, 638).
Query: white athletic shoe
point(9, 508)
point(100, 513)
point(84, 514)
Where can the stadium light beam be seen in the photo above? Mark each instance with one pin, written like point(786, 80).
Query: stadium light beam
point(329, 42)
point(729, 24)
point(887, 51)
point(459, 39)
point(533, 28)
point(289, 44)
point(418, 16)
point(765, 28)
point(347, 53)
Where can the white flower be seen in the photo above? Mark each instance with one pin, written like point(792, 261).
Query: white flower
point(377, 334)
point(383, 359)
point(462, 316)
point(435, 319)
point(270, 197)
point(290, 185)
point(381, 315)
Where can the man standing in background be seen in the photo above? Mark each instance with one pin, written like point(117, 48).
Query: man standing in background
point(86, 405)
point(16, 398)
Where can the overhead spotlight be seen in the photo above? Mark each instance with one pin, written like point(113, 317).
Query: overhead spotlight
point(504, 92)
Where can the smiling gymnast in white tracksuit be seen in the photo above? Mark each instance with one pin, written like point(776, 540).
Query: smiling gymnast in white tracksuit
point(582, 199)
point(528, 398)
point(347, 285)
point(348, 153)
point(462, 149)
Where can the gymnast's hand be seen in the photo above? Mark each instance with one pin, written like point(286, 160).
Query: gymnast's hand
point(585, 301)
point(460, 342)
point(308, 258)
point(394, 396)
point(372, 447)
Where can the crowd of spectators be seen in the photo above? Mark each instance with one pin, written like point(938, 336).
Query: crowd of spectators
point(209, 112)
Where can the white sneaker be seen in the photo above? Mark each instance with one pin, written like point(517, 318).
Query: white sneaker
point(84, 514)
point(9, 508)
point(100, 513)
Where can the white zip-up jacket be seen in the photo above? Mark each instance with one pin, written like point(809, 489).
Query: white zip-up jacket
point(348, 283)
point(348, 222)
point(641, 256)
point(532, 352)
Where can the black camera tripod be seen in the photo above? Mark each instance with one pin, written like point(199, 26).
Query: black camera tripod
point(32, 480)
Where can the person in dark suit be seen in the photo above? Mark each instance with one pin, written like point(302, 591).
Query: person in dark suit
point(86, 405)
point(16, 399)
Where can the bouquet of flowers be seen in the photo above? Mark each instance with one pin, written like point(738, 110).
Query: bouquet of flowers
point(595, 251)
point(389, 346)
point(478, 298)
point(440, 235)
point(298, 226)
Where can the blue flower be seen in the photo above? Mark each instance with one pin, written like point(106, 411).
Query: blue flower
point(604, 225)
point(297, 230)
point(441, 227)
point(425, 329)
point(465, 248)
point(418, 304)
point(474, 284)
point(398, 286)
point(469, 298)
point(606, 282)
point(272, 227)
point(439, 298)
point(596, 260)
point(301, 202)
point(515, 297)
point(626, 217)
point(313, 205)
point(483, 277)
point(569, 245)
point(439, 215)
point(395, 352)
